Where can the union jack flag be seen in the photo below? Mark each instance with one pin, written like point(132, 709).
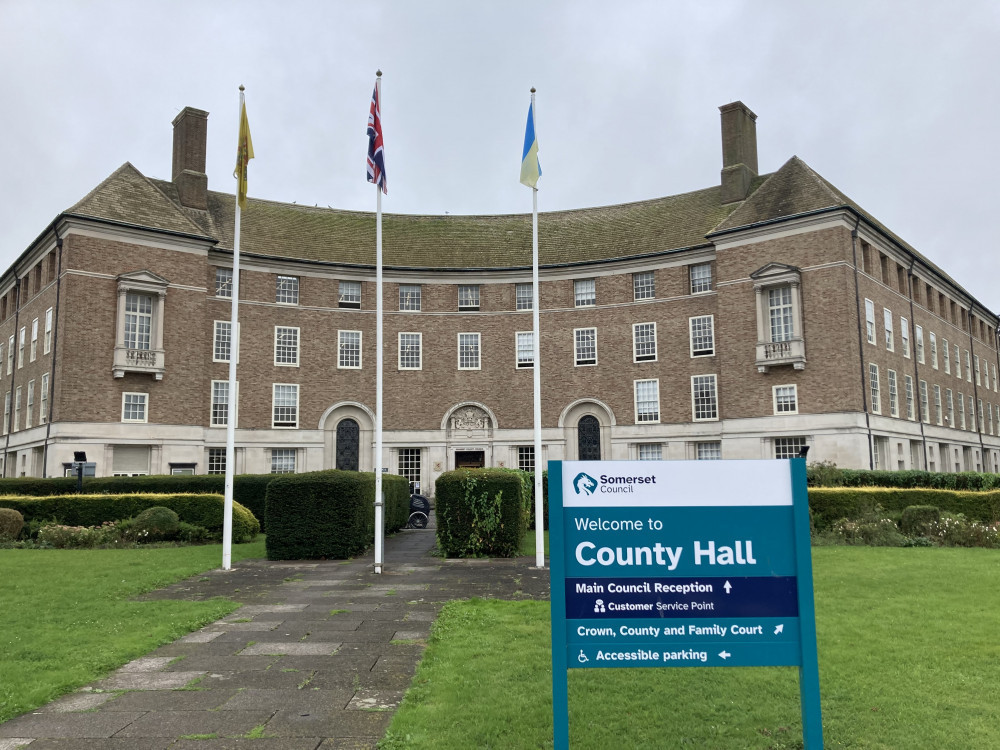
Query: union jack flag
point(376, 154)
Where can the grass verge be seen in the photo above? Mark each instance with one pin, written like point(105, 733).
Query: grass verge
point(67, 616)
point(907, 655)
point(528, 544)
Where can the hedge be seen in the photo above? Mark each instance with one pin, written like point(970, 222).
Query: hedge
point(829, 504)
point(481, 512)
point(330, 514)
point(820, 475)
point(248, 489)
point(205, 510)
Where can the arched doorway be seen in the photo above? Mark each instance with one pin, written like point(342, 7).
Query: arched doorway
point(348, 442)
point(588, 431)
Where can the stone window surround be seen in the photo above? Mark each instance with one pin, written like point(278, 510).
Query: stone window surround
point(151, 361)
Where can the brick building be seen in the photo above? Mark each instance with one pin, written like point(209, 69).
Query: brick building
point(746, 320)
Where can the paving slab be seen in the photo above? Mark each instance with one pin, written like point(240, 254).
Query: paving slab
point(83, 725)
point(271, 678)
point(304, 700)
point(112, 743)
point(180, 724)
point(287, 743)
point(170, 700)
point(147, 681)
point(87, 701)
point(334, 723)
point(299, 648)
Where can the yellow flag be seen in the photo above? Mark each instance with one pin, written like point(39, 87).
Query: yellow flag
point(244, 153)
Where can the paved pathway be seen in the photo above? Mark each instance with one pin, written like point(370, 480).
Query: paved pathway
point(318, 656)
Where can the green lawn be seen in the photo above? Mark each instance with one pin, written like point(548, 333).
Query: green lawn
point(908, 658)
point(67, 618)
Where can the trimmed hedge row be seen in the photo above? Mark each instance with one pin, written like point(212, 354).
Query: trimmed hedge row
point(828, 476)
point(330, 514)
point(482, 511)
point(249, 490)
point(829, 504)
point(205, 510)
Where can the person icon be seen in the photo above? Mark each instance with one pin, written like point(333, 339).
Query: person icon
point(599, 606)
point(582, 658)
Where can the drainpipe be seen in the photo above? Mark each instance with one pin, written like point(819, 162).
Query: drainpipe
point(916, 373)
point(975, 393)
point(52, 364)
point(861, 343)
point(13, 376)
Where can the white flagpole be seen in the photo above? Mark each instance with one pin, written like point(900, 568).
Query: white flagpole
point(379, 531)
point(535, 336)
point(227, 518)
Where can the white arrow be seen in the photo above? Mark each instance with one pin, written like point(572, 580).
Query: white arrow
point(728, 587)
point(725, 655)
point(779, 628)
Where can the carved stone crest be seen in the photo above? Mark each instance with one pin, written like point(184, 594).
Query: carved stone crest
point(470, 418)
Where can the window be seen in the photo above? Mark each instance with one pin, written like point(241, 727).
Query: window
point(994, 378)
point(139, 325)
point(182, 468)
point(224, 282)
point(525, 349)
point(584, 293)
point(949, 402)
point(47, 345)
point(10, 355)
point(526, 457)
point(702, 334)
point(216, 460)
point(958, 363)
point(947, 356)
point(704, 397)
point(968, 361)
point(972, 415)
point(709, 451)
point(6, 412)
point(133, 407)
point(889, 343)
point(701, 277)
point(779, 305)
point(285, 409)
point(980, 402)
point(785, 399)
point(33, 355)
point(286, 346)
point(873, 384)
point(43, 400)
point(643, 285)
point(1, 366)
point(788, 447)
point(20, 347)
point(975, 364)
point(904, 332)
point(222, 345)
point(31, 405)
point(468, 296)
point(349, 295)
point(349, 350)
point(410, 351)
point(647, 401)
point(644, 342)
point(585, 346)
point(409, 297)
point(468, 351)
point(17, 409)
point(870, 320)
point(893, 394)
point(925, 412)
point(282, 460)
point(409, 467)
point(220, 403)
point(961, 411)
point(934, 350)
point(908, 393)
point(650, 451)
point(138, 321)
point(523, 296)
point(918, 332)
point(287, 290)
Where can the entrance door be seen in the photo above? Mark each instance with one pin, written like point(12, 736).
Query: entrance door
point(470, 459)
point(589, 438)
point(348, 432)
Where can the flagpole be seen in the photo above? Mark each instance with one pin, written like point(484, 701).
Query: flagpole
point(379, 499)
point(537, 385)
point(227, 518)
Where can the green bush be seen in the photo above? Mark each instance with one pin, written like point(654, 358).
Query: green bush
point(11, 523)
point(829, 504)
point(480, 512)
point(156, 524)
point(330, 514)
point(61, 536)
point(958, 531)
point(917, 519)
point(822, 475)
point(93, 510)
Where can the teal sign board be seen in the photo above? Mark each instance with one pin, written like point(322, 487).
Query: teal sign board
point(681, 564)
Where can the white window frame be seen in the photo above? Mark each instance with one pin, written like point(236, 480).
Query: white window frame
point(946, 351)
point(874, 389)
point(893, 393)
point(469, 349)
point(961, 409)
point(949, 402)
point(700, 278)
point(890, 344)
point(284, 424)
point(222, 339)
point(918, 335)
point(904, 333)
point(968, 365)
point(643, 342)
point(286, 290)
point(777, 399)
point(30, 404)
point(47, 337)
point(20, 346)
point(6, 413)
point(578, 341)
point(643, 285)
point(10, 355)
point(33, 353)
point(349, 294)
point(43, 399)
point(469, 299)
point(870, 320)
point(925, 406)
point(400, 350)
point(788, 447)
point(223, 282)
point(410, 298)
point(286, 352)
point(698, 391)
point(585, 293)
point(519, 338)
point(699, 338)
point(526, 457)
point(975, 365)
point(958, 362)
point(143, 398)
point(649, 452)
point(934, 350)
point(282, 458)
point(524, 296)
point(345, 342)
point(643, 413)
point(221, 418)
point(17, 408)
point(938, 411)
point(708, 450)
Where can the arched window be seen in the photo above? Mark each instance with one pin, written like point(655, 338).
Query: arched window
point(589, 438)
point(347, 444)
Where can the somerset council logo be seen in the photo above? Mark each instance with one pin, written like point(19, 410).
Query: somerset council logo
point(584, 484)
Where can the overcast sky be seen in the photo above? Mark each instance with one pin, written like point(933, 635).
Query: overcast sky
point(896, 103)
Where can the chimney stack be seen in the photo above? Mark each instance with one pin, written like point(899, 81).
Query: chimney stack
point(739, 151)
point(190, 146)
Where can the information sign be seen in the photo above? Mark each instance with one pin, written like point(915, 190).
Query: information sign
point(681, 564)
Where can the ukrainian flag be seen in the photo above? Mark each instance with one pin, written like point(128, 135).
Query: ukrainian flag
point(530, 169)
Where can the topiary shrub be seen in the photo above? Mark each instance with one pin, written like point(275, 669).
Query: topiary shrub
point(156, 524)
point(480, 512)
point(918, 519)
point(11, 523)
